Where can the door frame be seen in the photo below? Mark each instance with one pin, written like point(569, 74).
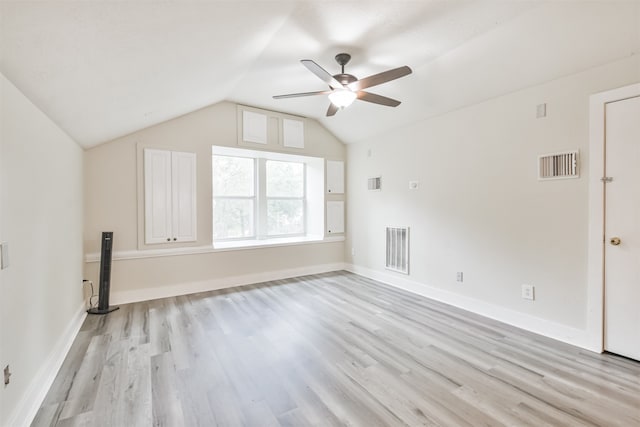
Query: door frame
point(595, 273)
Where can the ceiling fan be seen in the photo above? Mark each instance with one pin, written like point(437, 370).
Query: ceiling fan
point(346, 88)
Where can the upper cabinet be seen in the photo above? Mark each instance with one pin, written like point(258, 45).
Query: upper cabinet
point(169, 196)
point(293, 133)
point(269, 128)
point(335, 176)
point(254, 127)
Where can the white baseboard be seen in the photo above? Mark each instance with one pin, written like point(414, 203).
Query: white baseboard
point(125, 297)
point(557, 331)
point(27, 408)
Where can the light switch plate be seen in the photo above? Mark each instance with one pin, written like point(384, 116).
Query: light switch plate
point(528, 292)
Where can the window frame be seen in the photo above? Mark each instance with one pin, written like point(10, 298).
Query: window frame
point(312, 199)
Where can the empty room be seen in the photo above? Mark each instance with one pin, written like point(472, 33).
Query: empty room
point(320, 213)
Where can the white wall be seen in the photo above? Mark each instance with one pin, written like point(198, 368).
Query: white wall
point(114, 202)
point(480, 209)
point(41, 219)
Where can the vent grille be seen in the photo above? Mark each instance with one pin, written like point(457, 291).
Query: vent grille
point(398, 249)
point(374, 183)
point(558, 165)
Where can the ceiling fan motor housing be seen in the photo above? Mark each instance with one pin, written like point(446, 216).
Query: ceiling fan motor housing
point(345, 79)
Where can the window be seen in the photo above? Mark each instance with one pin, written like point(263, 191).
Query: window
point(285, 198)
point(234, 197)
point(260, 195)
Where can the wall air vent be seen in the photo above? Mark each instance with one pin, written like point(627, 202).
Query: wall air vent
point(374, 183)
point(558, 165)
point(398, 249)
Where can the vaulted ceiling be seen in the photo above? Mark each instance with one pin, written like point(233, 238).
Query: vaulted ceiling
point(102, 69)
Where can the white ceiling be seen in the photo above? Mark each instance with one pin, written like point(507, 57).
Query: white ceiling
point(102, 69)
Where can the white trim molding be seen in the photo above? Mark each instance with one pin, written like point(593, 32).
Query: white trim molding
point(125, 297)
point(27, 408)
point(228, 246)
point(595, 278)
point(557, 331)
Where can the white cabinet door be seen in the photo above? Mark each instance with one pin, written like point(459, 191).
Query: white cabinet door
point(169, 196)
point(254, 127)
point(335, 217)
point(183, 188)
point(335, 177)
point(157, 196)
point(293, 133)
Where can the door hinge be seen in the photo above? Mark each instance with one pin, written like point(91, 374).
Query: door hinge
point(606, 179)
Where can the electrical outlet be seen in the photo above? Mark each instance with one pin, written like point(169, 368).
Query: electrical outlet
point(459, 276)
point(353, 251)
point(528, 292)
point(7, 375)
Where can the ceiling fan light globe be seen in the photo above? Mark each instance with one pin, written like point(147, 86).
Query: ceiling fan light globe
point(342, 98)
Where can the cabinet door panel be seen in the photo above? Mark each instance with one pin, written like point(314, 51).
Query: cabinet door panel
point(335, 177)
point(183, 173)
point(157, 193)
point(335, 217)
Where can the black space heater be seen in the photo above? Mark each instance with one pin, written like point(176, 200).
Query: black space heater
point(105, 276)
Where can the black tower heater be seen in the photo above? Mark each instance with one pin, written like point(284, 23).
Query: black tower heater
point(105, 276)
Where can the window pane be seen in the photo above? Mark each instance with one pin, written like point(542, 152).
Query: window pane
point(232, 176)
point(232, 218)
point(285, 217)
point(285, 179)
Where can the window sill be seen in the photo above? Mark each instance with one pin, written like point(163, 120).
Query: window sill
point(237, 245)
point(282, 241)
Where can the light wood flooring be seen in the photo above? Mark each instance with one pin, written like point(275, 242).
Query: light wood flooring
point(329, 350)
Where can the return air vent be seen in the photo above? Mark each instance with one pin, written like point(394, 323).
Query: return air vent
point(558, 165)
point(398, 249)
point(374, 183)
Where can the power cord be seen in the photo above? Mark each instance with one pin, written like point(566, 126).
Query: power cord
point(93, 295)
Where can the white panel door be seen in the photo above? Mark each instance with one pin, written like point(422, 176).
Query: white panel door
point(183, 182)
point(157, 194)
point(622, 207)
point(335, 177)
point(335, 217)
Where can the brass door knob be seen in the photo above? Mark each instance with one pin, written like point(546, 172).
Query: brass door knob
point(615, 241)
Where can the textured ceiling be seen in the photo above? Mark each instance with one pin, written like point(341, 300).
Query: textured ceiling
point(102, 69)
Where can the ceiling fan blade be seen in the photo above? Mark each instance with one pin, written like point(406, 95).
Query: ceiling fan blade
point(332, 110)
point(376, 79)
point(296, 95)
point(321, 73)
point(377, 99)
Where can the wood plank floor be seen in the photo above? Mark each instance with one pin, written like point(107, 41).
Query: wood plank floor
point(329, 350)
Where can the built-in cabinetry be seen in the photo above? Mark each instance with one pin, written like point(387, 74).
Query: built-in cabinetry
point(335, 176)
point(169, 196)
point(268, 128)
